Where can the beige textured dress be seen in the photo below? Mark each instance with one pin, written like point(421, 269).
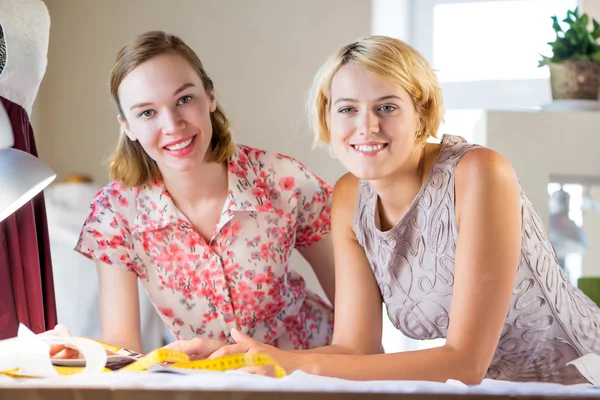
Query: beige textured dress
point(550, 322)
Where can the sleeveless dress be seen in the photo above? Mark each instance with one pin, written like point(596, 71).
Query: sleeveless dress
point(550, 321)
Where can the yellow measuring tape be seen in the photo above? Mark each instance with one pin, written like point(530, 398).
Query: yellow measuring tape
point(235, 361)
point(179, 360)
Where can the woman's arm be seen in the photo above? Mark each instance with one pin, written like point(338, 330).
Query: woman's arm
point(320, 259)
point(119, 307)
point(488, 212)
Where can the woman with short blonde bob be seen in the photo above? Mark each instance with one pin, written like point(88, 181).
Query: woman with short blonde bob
point(208, 226)
point(442, 233)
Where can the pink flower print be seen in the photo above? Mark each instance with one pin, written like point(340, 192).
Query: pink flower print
point(191, 241)
point(271, 309)
point(265, 251)
point(102, 245)
point(287, 183)
point(158, 237)
point(195, 281)
point(247, 298)
point(174, 248)
point(167, 312)
point(259, 280)
point(243, 159)
point(261, 184)
point(180, 259)
point(242, 278)
point(315, 238)
point(258, 193)
point(116, 241)
point(236, 228)
point(200, 331)
point(171, 284)
point(264, 207)
point(226, 231)
point(274, 194)
point(104, 258)
point(227, 311)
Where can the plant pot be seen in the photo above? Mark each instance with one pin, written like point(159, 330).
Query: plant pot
point(575, 80)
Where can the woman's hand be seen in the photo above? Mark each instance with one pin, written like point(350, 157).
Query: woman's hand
point(60, 351)
point(196, 348)
point(246, 345)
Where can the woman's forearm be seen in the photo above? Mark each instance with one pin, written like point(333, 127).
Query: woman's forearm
point(332, 349)
point(438, 364)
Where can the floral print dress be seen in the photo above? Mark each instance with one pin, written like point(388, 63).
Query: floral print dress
point(241, 278)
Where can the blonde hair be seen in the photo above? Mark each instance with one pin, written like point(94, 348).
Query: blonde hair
point(391, 60)
point(130, 164)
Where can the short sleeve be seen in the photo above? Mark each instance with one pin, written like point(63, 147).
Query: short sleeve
point(313, 196)
point(105, 235)
point(314, 214)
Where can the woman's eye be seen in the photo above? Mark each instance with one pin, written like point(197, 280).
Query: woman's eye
point(387, 108)
point(185, 99)
point(146, 114)
point(345, 110)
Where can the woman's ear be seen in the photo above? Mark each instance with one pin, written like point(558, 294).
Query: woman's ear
point(125, 128)
point(212, 98)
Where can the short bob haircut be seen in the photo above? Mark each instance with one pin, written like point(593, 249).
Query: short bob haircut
point(388, 59)
point(130, 164)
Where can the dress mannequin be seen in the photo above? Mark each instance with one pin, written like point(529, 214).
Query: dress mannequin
point(26, 284)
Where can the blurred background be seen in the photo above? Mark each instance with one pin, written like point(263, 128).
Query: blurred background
point(262, 55)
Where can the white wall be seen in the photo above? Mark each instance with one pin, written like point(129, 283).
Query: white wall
point(261, 55)
point(592, 7)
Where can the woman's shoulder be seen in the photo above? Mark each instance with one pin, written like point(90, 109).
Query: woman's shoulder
point(483, 163)
point(267, 158)
point(345, 194)
point(273, 165)
point(118, 199)
point(114, 190)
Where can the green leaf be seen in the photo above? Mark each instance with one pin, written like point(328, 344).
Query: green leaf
point(585, 20)
point(555, 25)
point(596, 31)
point(575, 42)
point(544, 61)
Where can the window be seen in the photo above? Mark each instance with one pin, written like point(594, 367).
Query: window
point(492, 40)
point(486, 52)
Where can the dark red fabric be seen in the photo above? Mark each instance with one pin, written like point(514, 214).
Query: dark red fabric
point(26, 283)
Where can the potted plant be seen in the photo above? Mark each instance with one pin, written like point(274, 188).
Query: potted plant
point(575, 62)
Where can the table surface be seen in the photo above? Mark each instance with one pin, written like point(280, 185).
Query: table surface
point(238, 385)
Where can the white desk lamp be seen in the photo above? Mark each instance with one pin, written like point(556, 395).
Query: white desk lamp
point(22, 176)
